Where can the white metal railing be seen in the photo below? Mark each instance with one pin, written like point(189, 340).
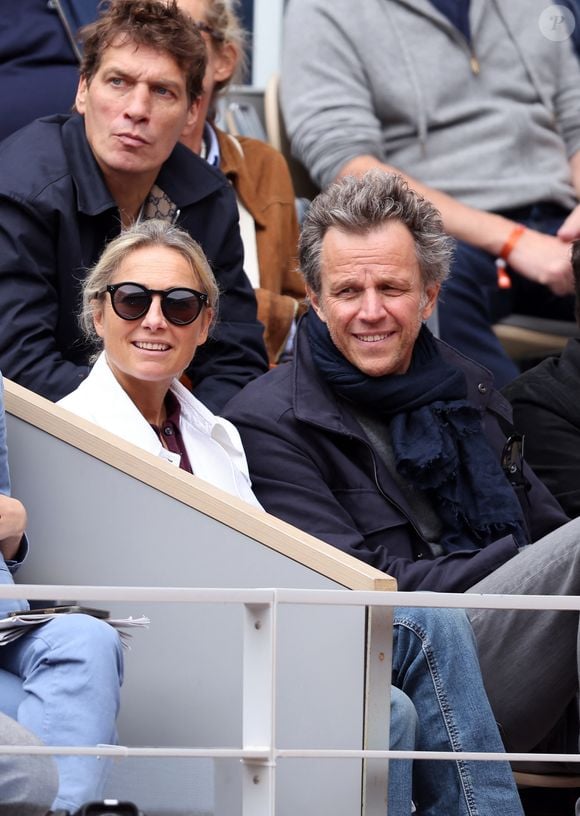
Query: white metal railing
point(259, 752)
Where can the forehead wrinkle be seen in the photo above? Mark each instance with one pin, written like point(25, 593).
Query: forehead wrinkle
point(124, 56)
point(365, 259)
point(372, 275)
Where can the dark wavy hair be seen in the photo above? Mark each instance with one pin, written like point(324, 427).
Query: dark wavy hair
point(360, 204)
point(158, 24)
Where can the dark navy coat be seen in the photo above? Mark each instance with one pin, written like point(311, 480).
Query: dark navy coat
point(56, 214)
point(39, 59)
point(312, 465)
point(546, 406)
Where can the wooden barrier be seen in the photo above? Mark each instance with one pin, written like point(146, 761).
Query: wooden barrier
point(103, 512)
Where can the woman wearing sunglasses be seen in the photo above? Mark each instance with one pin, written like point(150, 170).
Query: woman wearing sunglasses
point(148, 303)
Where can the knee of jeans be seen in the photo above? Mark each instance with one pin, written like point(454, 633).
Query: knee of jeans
point(433, 621)
point(86, 638)
point(404, 721)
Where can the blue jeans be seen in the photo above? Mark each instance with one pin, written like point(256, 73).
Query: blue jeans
point(435, 664)
point(403, 737)
point(71, 673)
point(471, 301)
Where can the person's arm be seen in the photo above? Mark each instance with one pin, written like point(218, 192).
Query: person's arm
point(567, 115)
point(332, 110)
point(570, 229)
point(542, 258)
point(281, 294)
point(12, 526)
point(33, 302)
point(235, 352)
point(552, 448)
point(12, 512)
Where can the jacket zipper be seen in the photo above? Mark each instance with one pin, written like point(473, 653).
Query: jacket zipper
point(388, 498)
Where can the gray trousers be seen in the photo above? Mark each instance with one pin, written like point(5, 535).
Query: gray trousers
point(28, 784)
point(530, 659)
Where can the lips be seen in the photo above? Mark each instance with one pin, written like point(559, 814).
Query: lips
point(131, 139)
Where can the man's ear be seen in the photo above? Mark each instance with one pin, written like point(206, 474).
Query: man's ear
point(430, 300)
point(315, 303)
point(192, 116)
point(81, 97)
point(225, 63)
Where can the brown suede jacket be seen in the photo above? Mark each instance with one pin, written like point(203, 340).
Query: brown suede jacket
point(260, 177)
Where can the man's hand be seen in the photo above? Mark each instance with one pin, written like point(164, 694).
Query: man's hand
point(544, 259)
point(539, 257)
point(570, 229)
point(12, 525)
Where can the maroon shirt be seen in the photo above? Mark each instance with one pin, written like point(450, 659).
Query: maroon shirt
point(170, 433)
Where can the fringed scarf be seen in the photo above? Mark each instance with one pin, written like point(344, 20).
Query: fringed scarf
point(437, 438)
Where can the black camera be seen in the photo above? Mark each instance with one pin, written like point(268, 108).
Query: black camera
point(109, 807)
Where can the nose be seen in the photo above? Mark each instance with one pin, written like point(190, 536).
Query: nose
point(371, 305)
point(138, 103)
point(154, 319)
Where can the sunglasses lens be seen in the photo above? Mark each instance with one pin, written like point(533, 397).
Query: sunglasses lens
point(131, 302)
point(181, 306)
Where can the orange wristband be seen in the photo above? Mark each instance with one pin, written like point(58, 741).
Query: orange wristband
point(511, 241)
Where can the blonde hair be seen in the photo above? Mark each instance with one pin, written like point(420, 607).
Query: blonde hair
point(223, 17)
point(150, 233)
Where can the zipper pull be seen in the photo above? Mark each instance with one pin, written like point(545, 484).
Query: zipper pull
point(474, 64)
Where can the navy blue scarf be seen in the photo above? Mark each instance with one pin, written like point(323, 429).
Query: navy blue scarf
point(437, 438)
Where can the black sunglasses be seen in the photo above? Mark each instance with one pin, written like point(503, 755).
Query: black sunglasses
point(180, 306)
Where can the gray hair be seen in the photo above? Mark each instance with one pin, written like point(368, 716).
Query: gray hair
point(360, 204)
point(149, 233)
point(224, 17)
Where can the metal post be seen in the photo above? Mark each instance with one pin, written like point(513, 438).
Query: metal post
point(258, 786)
point(377, 715)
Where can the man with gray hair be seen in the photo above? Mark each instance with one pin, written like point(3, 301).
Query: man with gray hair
point(392, 446)
point(477, 105)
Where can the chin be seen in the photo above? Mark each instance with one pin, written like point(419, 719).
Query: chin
point(152, 374)
point(381, 369)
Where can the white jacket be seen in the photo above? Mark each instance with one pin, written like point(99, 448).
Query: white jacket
point(213, 444)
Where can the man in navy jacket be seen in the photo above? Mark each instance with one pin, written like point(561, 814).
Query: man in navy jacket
point(69, 183)
point(392, 446)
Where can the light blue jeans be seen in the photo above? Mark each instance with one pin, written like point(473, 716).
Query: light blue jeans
point(436, 667)
point(403, 737)
point(70, 673)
